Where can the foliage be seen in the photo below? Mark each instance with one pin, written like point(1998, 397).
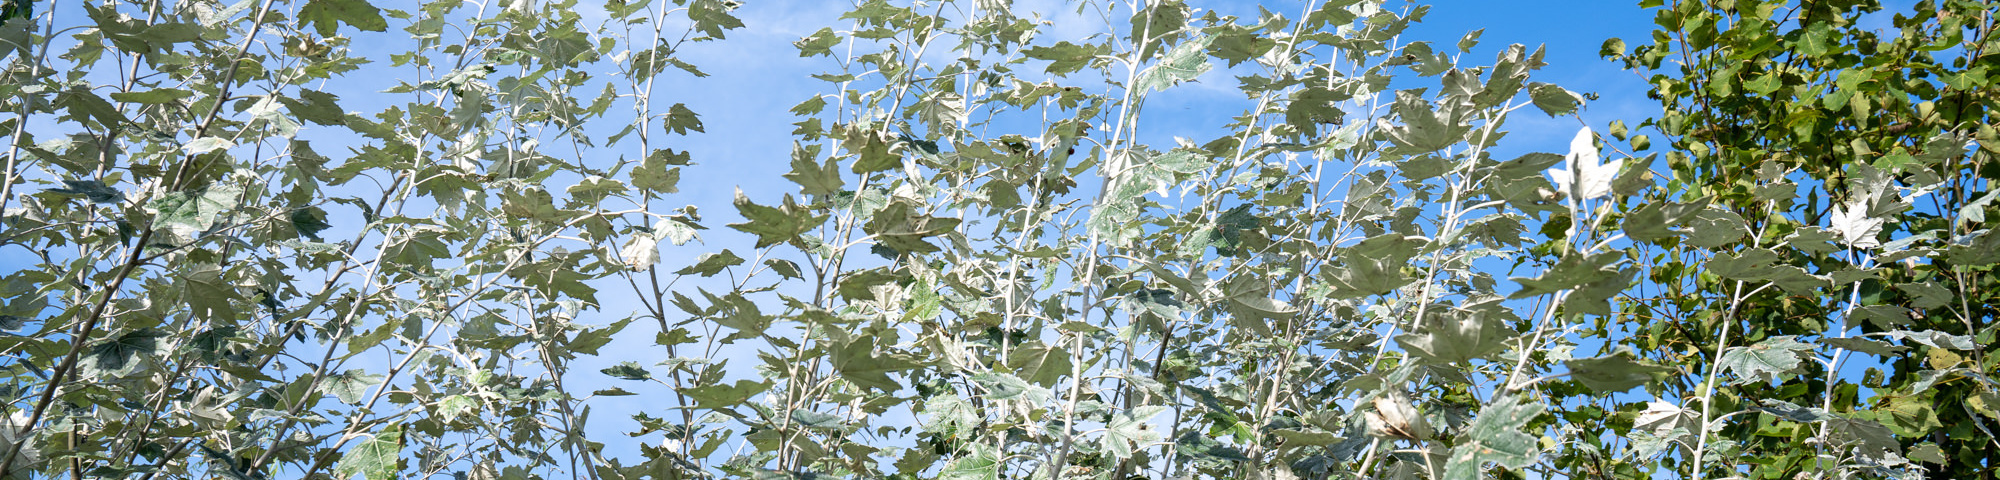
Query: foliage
point(997, 262)
point(225, 261)
point(1851, 163)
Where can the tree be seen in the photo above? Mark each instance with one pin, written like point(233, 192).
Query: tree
point(1851, 168)
point(994, 261)
point(220, 270)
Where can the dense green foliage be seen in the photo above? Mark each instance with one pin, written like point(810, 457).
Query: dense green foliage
point(991, 259)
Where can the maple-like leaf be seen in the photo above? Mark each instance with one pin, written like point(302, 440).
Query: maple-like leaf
point(642, 252)
point(1586, 176)
point(1856, 228)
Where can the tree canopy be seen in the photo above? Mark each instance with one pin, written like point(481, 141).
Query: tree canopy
point(322, 239)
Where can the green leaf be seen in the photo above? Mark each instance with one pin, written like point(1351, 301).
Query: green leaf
point(1040, 363)
point(814, 178)
point(720, 396)
point(317, 107)
point(129, 353)
point(207, 144)
point(94, 190)
point(859, 364)
point(190, 213)
point(660, 171)
point(154, 96)
point(1424, 129)
point(978, 462)
point(350, 385)
point(859, 285)
point(1128, 428)
point(309, 221)
point(1554, 100)
point(1185, 62)
point(1495, 437)
point(712, 17)
point(1771, 359)
point(326, 15)
point(772, 225)
point(819, 43)
point(1615, 373)
point(1065, 57)
point(376, 458)
point(1656, 220)
point(712, 263)
point(1572, 271)
point(812, 419)
point(627, 371)
point(1451, 335)
point(1001, 386)
point(680, 119)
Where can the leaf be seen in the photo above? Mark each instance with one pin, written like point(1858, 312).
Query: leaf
point(1394, 416)
point(859, 364)
point(1793, 412)
point(1656, 220)
point(375, 458)
point(190, 213)
point(1185, 62)
point(1202, 447)
point(720, 396)
point(814, 178)
point(154, 96)
point(1864, 345)
point(680, 119)
point(712, 263)
point(309, 221)
point(819, 43)
point(1871, 436)
point(1855, 227)
point(1065, 57)
point(94, 190)
point(326, 15)
point(1040, 363)
point(1768, 360)
point(627, 371)
point(675, 231)
point(979, 462)
point(641, 252)
point(711, 17)
point(772, 225)
point(128, 353)
point(207, 144)
point(1571, 271)
point(812, 419)
point(1001, 386)
point(1585, 176)
point(1554, 100)
point(1129, 427)
point(1936, 339)
point(1425, 129)
point(1714, 227)
point(1495, 437)
point(660, 171)
point(350, 385)
point(1451, 335)
point(1615, 373)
